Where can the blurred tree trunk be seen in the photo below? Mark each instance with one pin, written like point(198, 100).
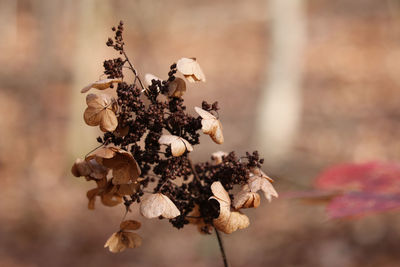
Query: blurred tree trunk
point(280, 100)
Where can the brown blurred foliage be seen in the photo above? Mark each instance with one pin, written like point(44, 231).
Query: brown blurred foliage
point(50, 49)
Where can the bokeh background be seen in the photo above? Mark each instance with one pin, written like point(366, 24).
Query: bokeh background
point(309, 83)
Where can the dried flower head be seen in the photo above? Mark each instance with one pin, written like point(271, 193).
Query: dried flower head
point(156, 205)
point(228, 221)
point(101, 111)
point(190, 68)
point(246, 199)
point(260, 181)
point(178, 144)
point(210, 125)
point(124, 167)
point(124, 238)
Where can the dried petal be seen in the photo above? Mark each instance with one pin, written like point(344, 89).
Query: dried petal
point(100, 85)
point(124, 166)
point(129, 225)
point(190, 69)
point(121, 240)
point(217, 156)
point(91, 169)
point(91, 195)
point(228, 221)
point(154, 205)
point(101, 111)
point(178, 144)
point(246, 199)
point(177, 88)
point(80, 168)
point(260, 181)
point(210, 125)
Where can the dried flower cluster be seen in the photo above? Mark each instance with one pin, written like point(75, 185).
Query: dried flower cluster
point(144, 153)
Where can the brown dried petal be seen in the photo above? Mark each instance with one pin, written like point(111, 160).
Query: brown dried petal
point(129, 225)
point(101, 111)
point(257, 183)
point(110, 199)
point(190, 69)
point(121, 240)
point(246, 199)
point(154, 205)
point(177, 88)
point(80, 168)
point(100, 85)
point(91, 195)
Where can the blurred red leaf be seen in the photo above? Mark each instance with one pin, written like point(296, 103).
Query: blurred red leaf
point(369, 187)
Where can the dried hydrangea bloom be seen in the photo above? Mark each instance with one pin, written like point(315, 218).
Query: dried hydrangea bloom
point(246, 199)
point(123, 239)
point(178, 144)
point(177, 88)
point(155, 205)
point(100, 85)
point(260, 181)
point(101, 111)
point(91, 169)
point(210, 125)
point(124, 167)
point(190, 68)
point(217, 156)
point(228, 221)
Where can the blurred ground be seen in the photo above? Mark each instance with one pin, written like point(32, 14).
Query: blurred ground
point(349, 95)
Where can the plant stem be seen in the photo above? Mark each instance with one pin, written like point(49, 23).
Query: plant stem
point(221, 247)
point(133, 70)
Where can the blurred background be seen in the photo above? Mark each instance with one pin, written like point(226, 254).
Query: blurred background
point(309, 83)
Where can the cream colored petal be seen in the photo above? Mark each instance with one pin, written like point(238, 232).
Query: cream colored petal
point(246, 199)
point(187, 144)
point(170, 211)
point(152, 205)
point(220, 193)
point(191, 69)
point(167, 139)
point(217, 135)
point(204, 114)
point(178, 148)
point(208, 126)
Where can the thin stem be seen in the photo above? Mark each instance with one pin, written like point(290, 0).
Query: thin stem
point(133, 69)
point(221, 247)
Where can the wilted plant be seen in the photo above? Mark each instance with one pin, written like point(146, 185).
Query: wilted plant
point(144, 154)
